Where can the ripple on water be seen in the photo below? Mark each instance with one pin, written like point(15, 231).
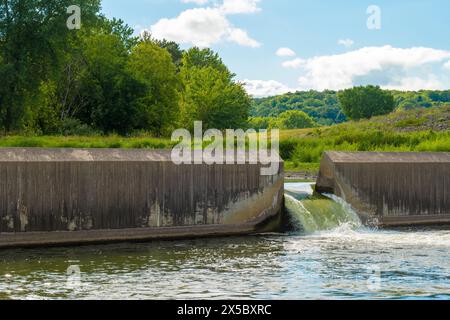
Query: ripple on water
point(347, 262)
point(327, 265)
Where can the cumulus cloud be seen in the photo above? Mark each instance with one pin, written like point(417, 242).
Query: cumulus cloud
point(206, 26)
point(346, 42)
point(396, 65)
point(201, 27)
point(265, 88)
point(285, 52)
point(197, 2)
point(416, 84)
point(416, 68)
point(240, 6)
point(294, 64)
point(241, 37)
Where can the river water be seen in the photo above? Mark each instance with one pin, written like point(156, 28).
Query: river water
point(330, 256)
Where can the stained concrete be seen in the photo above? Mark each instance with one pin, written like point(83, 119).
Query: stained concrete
point(390, 189)
point(70, 196)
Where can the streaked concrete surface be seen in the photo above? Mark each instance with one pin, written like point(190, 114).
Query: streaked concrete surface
point(70, 196)
point(390, 189)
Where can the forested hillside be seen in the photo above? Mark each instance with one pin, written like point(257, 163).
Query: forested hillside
point(324, 107)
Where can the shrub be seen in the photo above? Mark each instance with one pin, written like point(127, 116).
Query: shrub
point(74, 127)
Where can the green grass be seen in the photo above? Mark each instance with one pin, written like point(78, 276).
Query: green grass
point(411, 122)
point(406, 131)
point(86, 142)
point(301, 149)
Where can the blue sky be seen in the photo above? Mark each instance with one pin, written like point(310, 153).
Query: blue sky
point(333, 46)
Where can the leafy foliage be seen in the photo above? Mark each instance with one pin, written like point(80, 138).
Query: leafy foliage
point(292, 119)
point(325, 108)
point(322, 107)
point(104, 79)
point(210, 94)
point(366, 102)
point(153, 67)
point(32, 37)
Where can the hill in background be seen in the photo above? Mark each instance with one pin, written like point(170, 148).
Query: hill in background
point(415, 130)
point(325, 109)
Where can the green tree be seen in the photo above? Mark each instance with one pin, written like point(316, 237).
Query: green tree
point(366, 102)
point(258, 123)
point(210, 93)
point(322, 107)
point(293, 119)
point(171, 46)
point(44, 117)
point(174, 49)
point(122, 30)
point(210, 96)
point(153, 66)
point(109, 92)
point(32, 34)
point(202, 58)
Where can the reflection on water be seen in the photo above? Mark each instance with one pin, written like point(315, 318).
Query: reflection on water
point(341, 263)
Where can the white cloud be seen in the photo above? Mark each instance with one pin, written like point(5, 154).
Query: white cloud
point(239, 6)
point(200, 27)
point(346, 42)
point(197, 2)
point(263, 88)
point(285, 52)
point(416, 84)
point(397, 66)
point(294, 64)
point(206, 26)
point(391, 68)
point(241, 37)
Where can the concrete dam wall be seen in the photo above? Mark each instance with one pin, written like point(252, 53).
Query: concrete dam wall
point(78, 196)
point(390, 189)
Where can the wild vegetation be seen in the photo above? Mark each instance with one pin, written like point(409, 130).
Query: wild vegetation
point(322, 107)
point(102, 87)
point(325, 108)
point(417, 130)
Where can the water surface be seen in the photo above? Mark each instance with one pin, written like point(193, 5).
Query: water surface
point(341, 262)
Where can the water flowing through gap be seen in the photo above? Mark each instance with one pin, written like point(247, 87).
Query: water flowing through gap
point(314, 213)
point(330, 255)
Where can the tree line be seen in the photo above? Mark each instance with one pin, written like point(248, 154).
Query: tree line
point(103, 79)
point(331, 107)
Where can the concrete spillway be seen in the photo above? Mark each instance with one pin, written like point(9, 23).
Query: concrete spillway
point(390, 189)
point(77, 196)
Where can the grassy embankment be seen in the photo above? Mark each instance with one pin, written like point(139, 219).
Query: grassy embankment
point(404, 131)
point(416, 130)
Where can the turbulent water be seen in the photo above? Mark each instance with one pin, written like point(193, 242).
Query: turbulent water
point(331, 257)
point(312, 214)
